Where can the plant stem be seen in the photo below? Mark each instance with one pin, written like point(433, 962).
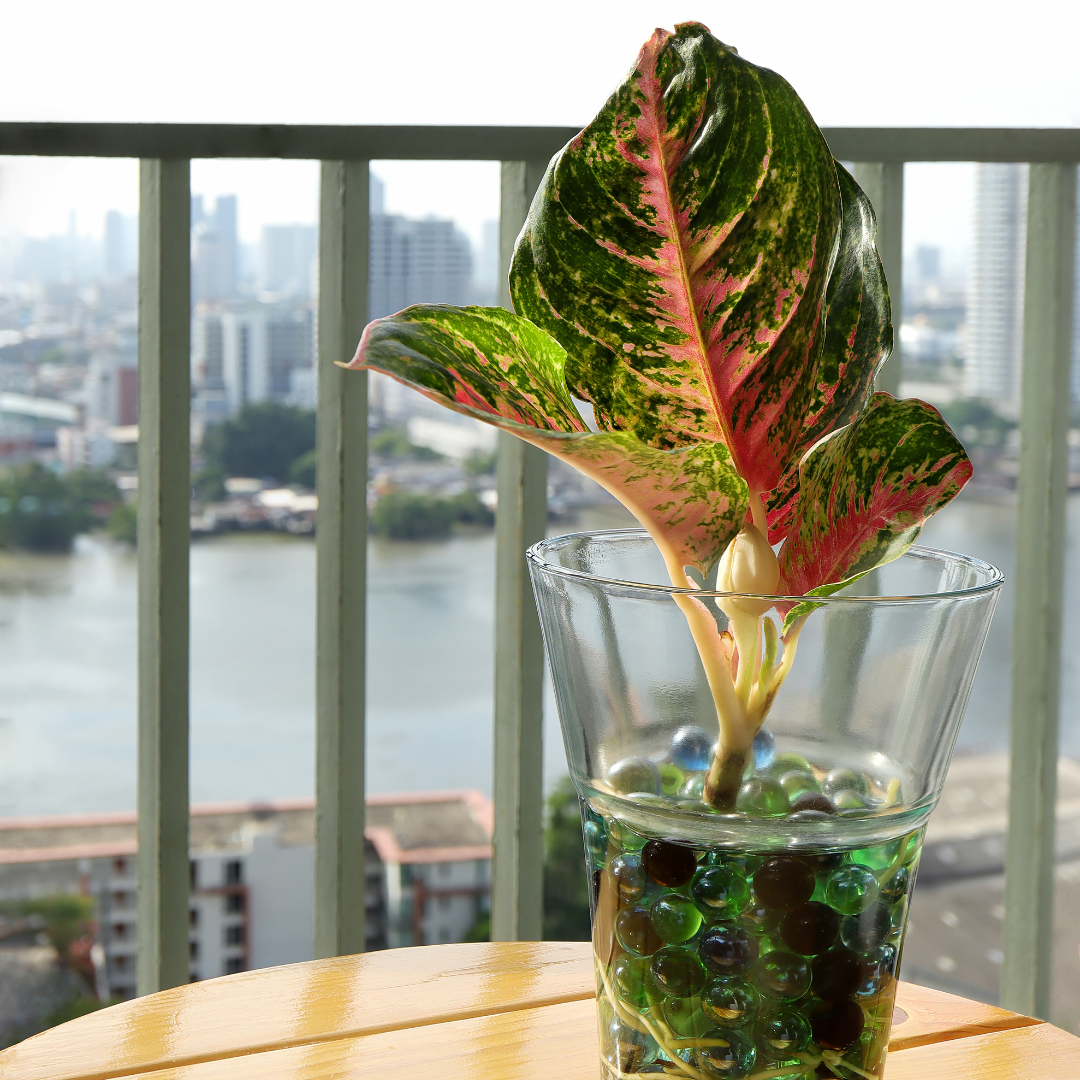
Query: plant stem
point(742, 702)
point(732, 753)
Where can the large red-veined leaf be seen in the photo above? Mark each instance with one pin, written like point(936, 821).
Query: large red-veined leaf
point(679, 248)
point(865, 492)
point(858, 340)
point(498, 367)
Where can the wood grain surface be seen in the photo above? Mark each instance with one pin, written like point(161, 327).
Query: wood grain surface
point(482, 1012)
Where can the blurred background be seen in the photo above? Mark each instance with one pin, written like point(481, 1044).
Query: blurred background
point(69, 445)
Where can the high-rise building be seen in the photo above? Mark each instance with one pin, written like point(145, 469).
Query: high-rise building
point(486, 271)
point(928, 262)
point(287, 258)
point(111, 388)
point(214, 250)
point(121, 245)
point(996, 317)
point(207, 369)
point(266, 354)
point(417, 262)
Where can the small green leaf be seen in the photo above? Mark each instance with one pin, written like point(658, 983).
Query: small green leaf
point(798, 611)
point(498, 367)
point(865, 492)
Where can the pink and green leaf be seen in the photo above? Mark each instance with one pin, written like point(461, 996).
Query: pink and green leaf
point(498, 367)
point(858, 340)
point(679, 248)
point(864, 494)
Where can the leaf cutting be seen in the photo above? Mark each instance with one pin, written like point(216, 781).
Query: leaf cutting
point(697, 266)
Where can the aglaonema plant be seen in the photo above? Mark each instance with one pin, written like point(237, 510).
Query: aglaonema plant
point(699, 268)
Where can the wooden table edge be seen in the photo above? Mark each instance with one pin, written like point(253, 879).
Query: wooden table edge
point(899, 1043)
point(449, 1017)
point(993, 1020)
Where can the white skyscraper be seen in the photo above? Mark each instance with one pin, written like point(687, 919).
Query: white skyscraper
point(266, 354)
point(417, 262)
point(996, 319)
point(286, 257)
point(121, 245)
point(215, 249)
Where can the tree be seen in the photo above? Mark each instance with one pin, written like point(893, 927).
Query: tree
point(566, 882)
point(403, 515)
point(303, 469)
point(394, 442)
point(123, 523)
point(42, 511)
point(262, 440)
point(566, 889)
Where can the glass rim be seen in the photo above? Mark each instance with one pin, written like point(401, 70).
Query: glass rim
point(536, 555)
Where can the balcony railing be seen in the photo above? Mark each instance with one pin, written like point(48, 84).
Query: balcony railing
point(163, 527)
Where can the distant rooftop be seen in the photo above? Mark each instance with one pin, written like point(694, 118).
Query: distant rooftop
point(447, 826)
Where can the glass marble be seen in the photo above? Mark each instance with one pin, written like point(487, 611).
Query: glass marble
point(782, 1032)
point(672, 779)
point(727, 949)
point(668, 864)
point(764, 748)
point(867, 931)
point(685, 1017)
point(675, 918)
point(628, 875)
point(839, 780)
point(635, 932)
point(851, 889)
point(678, 971)
point(691, 748)
point(595, 842)
point(733, 1058)
point(633, 983)
point(784, 882)
point(634, 774)
point(720, 892)
point(797, 782)
point(782, 975)
point(762, 796)
point(730, 1002)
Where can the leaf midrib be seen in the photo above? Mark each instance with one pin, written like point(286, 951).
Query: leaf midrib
point(703, 356)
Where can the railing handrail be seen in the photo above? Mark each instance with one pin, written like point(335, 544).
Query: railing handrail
point(346, 142)
point(879, 156)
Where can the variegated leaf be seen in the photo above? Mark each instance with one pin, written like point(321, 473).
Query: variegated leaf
point(866, 490)
point(858, 340)
point(679, 248)
point(498, 367)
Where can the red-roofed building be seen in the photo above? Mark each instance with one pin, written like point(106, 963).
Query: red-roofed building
point(251, 902)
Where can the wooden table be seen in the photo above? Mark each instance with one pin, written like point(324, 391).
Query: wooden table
point(482, 1012)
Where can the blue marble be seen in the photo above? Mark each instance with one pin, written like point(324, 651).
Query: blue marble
point(764, 749)
point(690, 748)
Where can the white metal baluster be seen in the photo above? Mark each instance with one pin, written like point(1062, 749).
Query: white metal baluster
point(518, 864)
point(1039, 587)
point(341, 543)
point(163, 534)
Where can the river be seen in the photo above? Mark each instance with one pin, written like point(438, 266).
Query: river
point(68, 676)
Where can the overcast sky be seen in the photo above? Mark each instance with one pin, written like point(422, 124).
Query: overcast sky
point(946, 62)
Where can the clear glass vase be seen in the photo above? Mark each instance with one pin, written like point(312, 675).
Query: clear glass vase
point(762, 940)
